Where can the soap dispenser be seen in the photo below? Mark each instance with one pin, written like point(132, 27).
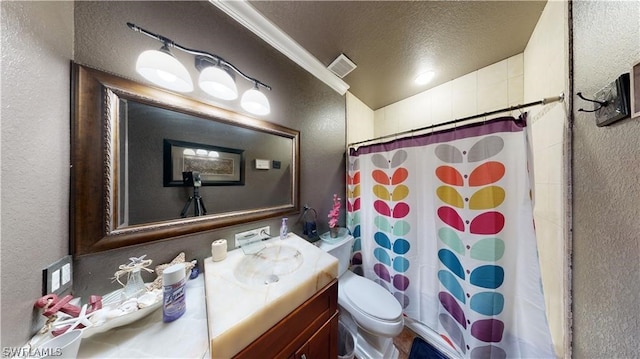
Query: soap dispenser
point(284, 229)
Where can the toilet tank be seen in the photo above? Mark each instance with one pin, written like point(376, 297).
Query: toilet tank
point(340, 250)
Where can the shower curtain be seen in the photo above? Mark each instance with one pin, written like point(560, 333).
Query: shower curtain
point(444, 221)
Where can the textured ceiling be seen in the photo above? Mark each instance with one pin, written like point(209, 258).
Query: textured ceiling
point(392, 41)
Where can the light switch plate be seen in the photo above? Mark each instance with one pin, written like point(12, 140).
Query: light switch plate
point(262, 164)
point(58, 277)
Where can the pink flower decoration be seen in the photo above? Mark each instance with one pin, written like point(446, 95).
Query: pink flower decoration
point(334, 213)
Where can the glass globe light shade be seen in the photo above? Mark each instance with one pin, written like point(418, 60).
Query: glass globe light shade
point(218, 83)
point(162, 69)
point(255, 102)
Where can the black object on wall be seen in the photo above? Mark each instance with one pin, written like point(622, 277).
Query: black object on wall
point(612, 103)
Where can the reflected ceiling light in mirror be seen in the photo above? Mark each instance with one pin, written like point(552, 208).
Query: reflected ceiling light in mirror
point(255, 102)
point(217, 76)
point(425, 77)
point(188, 151)
point(163, 69)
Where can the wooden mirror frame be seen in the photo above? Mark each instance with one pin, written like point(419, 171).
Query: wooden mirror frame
point(95, 171)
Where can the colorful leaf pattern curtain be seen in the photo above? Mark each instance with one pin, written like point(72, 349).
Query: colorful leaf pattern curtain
point(444, 221)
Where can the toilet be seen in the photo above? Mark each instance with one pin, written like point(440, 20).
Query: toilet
point(375, 311)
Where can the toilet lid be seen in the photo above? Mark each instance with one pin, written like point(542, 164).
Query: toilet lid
point(373, 300)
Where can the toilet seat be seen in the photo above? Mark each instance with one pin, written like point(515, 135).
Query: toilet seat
point(372, 300)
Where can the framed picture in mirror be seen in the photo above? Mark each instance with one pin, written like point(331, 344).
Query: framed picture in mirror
point(218, 166)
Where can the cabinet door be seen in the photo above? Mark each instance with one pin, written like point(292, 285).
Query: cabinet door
point(323, 344)
point(293, 332)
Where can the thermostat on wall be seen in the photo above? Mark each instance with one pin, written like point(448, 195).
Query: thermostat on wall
point(262, 164)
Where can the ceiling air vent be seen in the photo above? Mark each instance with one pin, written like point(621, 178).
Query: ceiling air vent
point(341, 66)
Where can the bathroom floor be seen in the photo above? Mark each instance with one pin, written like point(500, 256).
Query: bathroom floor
point(403, 342)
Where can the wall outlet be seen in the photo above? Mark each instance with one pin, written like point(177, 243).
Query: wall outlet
point(57, 277)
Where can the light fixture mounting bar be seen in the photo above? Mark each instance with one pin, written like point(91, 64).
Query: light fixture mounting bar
point(217, 59)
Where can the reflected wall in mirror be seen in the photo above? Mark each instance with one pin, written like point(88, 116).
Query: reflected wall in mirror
point(130, 145)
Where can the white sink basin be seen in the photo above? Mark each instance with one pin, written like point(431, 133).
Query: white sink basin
point(268, 265)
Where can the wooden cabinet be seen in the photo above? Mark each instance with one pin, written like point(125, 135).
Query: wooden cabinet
point(320, 344)
point(309, 332)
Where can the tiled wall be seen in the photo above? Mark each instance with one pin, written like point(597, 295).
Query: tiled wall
point(359, 120)
point(490, 88)
point(546, 74)
point(496, 86)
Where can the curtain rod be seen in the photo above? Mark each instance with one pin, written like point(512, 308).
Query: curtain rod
point(544, 101)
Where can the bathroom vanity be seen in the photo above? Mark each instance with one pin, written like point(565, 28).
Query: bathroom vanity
point(279, 302)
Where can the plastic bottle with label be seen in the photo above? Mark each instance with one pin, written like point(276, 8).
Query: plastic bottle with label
point(283, 229)
point(173, 293)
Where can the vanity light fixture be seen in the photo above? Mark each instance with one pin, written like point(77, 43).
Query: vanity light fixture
point(255, 101)
point(163, 69)
point(217, 76)
point(216, 79)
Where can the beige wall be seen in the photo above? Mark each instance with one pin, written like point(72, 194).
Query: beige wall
point(546, 62)
point(37, 43)
point(606, 188)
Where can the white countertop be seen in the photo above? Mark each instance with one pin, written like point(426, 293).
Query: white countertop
point(150, 337)
point(239, 313)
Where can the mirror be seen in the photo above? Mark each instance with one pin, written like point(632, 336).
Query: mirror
point(149, 164)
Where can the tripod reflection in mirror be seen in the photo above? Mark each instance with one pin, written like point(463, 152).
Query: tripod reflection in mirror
point(192, 179)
